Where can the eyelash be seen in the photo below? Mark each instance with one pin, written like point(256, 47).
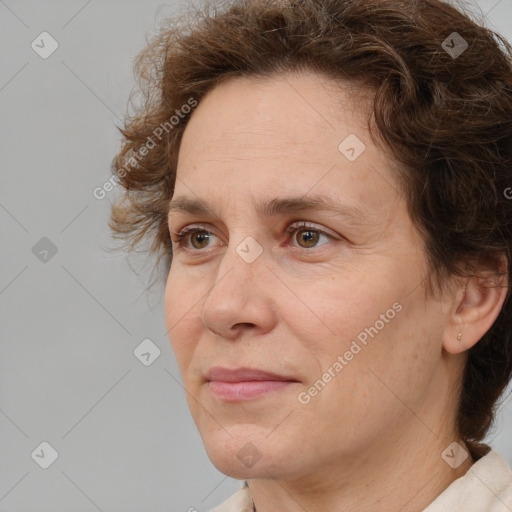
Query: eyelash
point(298, 226)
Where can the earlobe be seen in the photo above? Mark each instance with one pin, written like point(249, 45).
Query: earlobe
point(475, 308)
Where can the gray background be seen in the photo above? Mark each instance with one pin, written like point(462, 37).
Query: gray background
point(70, 324)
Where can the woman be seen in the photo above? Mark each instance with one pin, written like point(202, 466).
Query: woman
point(326, 184)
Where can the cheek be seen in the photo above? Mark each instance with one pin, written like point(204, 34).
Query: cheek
point(372, 327)
point(383, 353)
point(171, 303)
point(330, 314)
point(179, 313)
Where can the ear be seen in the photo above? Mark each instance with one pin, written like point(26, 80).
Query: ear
point(476, 304)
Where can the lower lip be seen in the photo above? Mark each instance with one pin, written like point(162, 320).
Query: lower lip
point(237, 391)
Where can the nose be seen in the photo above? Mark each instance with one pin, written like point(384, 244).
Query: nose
point(241, 297)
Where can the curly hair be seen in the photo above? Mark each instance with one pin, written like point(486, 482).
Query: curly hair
point(444, 117)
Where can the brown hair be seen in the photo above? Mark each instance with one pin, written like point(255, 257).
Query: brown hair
point(445, 118)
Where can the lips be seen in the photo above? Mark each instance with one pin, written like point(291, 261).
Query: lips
point(242, 375)
point(233, 385)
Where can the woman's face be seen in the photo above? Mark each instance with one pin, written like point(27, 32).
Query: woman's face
point(299, 346)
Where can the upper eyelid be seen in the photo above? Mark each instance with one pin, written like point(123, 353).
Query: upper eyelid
point(297, 224)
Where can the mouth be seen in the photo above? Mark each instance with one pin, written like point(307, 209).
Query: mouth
point(235, 385)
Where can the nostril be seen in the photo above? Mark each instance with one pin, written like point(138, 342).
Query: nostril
point(244, 324)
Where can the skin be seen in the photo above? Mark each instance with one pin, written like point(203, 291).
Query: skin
point(372, 438)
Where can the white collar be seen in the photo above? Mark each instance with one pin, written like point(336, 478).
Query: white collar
point(486, 487)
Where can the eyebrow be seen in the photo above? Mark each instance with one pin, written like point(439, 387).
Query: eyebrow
point(280, 206)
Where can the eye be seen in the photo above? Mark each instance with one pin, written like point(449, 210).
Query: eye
point(198, 236)
point(309, 234)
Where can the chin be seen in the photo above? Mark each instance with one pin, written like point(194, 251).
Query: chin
point(244, 469)
point(235, 470)
point(250, 454)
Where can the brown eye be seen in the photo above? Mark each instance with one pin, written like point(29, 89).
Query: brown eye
point(193, 238)
point(199, 239)
point(307, 238)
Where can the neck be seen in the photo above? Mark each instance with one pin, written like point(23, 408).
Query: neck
point(404, 475)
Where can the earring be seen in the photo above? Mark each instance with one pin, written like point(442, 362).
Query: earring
point(459, 336)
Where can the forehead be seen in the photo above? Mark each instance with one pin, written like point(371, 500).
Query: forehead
point(286, 112)
point(283, 134)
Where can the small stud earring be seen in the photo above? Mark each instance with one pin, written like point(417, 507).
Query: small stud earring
point(459, 336)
